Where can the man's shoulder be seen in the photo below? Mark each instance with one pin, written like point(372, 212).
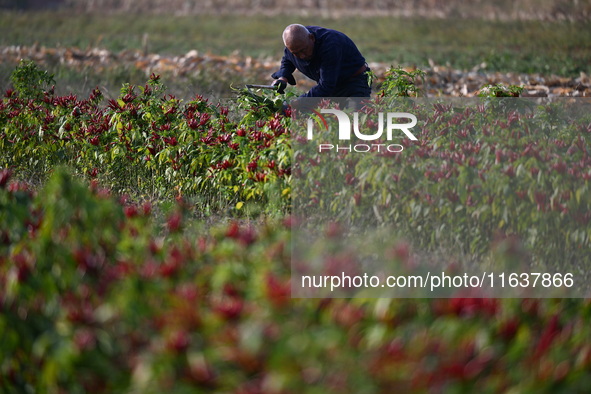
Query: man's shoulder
point(325, 34)
point(321, 30)
point(314, 28)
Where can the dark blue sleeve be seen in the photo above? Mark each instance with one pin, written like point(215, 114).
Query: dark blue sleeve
point(287, 68)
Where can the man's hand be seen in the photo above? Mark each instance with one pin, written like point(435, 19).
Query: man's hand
point(281, 85)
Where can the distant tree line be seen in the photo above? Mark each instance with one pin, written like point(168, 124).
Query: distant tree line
point(505, 9)
point(27, 5)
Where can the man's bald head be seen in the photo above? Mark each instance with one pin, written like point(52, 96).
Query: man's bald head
point(295, 33)
point(298, 39)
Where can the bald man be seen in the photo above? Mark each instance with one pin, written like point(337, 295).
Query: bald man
point(326, 56)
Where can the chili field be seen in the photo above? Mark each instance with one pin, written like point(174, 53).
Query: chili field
point(145, 246)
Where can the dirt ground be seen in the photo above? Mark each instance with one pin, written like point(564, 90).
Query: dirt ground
point(439, 81)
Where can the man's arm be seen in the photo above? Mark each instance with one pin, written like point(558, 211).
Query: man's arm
point(286, 70)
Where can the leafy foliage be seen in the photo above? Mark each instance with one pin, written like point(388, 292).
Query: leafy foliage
point(149, 144)
point(30, 81)
point(100, 292)
point(500, 90)
point(400, 82)
point(101, 296)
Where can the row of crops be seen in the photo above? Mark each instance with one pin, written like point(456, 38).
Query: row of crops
point(145, 246)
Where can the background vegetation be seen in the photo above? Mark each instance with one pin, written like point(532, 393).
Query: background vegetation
point(487, 45)
point(504, 9)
